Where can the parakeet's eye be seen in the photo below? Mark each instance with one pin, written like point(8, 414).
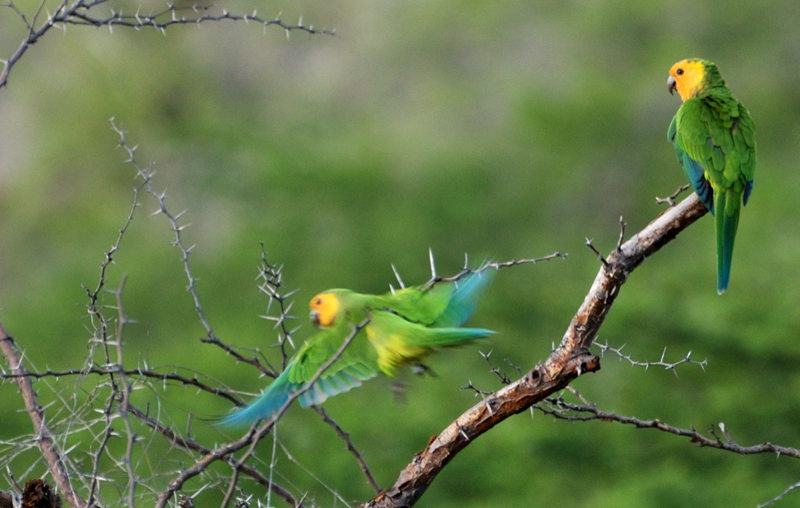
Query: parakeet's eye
point(679, 72)
point(319, 301)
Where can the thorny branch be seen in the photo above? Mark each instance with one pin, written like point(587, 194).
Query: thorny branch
point(486, 265)
point(142, 372)
point(271, 284)
point(84, 13)
point(146, 175)
point(121, 388)
point(561, 409)
point(252, 438)
point(49, 450)
point(568, 361)
point(660, 363)
point(184, 442)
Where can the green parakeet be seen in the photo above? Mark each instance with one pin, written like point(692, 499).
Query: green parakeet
point(404, 327)
point(715, 142)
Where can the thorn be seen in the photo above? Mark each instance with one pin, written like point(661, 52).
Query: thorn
point(399, 280)
point(433, 265)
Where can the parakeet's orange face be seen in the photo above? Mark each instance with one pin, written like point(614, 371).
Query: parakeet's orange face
point(686, 76)
point(324, 308)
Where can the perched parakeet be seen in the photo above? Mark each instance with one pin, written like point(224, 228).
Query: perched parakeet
point(715, 142)
point(404, 327)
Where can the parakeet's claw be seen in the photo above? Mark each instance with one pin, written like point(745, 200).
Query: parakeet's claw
point(420, 370)
point(398, 389)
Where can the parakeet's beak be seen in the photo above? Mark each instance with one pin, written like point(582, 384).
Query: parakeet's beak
point(314, 317)
point(671, 85)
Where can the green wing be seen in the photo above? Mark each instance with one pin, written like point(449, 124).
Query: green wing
point(744, 140)
point(693, 169)
point(358, 363)
point(714, 138)
point(444, 304)
point(716, 133)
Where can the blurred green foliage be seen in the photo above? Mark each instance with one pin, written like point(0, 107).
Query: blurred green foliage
point(502, 130)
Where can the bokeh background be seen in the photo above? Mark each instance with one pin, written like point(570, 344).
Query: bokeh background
point(497, 129)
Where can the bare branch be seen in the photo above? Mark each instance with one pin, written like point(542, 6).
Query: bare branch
point(780, 496)
point(350, 447)
point(597, 252)
point(670, 200)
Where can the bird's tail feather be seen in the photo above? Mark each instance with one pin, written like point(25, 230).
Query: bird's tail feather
point(452, 337)
point(263, 407)
point(728, 206)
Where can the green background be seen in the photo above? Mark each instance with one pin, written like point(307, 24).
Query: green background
point(497, 129)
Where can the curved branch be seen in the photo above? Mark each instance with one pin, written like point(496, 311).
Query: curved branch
point(588, 411)
point(568, 361)
point(80, 13)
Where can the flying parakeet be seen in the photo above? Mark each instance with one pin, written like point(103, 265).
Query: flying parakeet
point(404, 327)
point(715, 142)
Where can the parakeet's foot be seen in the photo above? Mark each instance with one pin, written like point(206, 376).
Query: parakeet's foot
point(398, 390)
point(420, 370)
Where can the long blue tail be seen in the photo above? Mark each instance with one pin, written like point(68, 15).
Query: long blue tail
point(727, 205)
point(263, 407)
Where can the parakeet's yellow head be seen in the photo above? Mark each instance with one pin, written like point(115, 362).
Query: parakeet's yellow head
point(688, 77)
point(324, 308)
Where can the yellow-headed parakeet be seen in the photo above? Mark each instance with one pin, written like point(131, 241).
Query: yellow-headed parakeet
point(404, 327)
point(715, 142)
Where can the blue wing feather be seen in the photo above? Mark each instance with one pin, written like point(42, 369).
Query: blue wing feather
point(464, 300)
